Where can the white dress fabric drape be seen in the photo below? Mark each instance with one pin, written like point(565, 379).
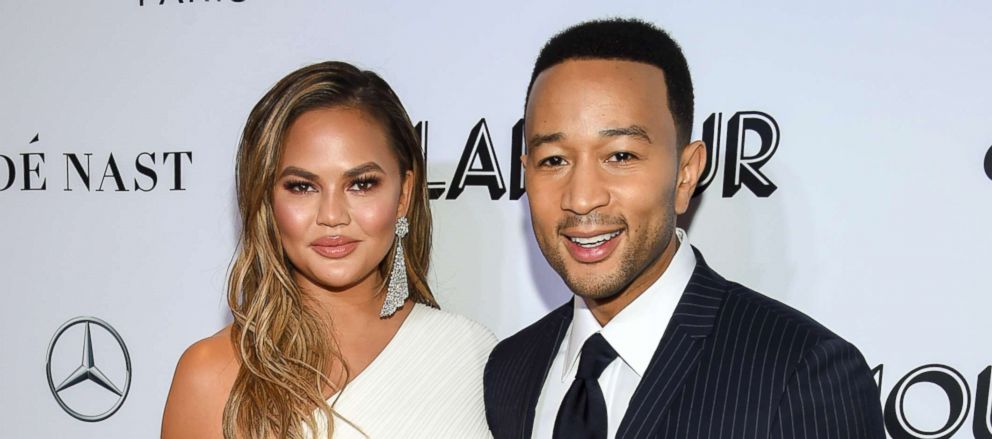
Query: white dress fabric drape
point(426, 383)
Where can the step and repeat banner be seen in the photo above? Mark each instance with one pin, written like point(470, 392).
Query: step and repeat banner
point(850, 177)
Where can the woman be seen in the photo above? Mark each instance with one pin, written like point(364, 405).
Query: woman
point(333, 318)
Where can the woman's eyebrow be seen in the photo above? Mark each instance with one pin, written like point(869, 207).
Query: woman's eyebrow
point(363, 168)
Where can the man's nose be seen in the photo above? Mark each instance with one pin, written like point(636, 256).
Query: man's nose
point(585, 189)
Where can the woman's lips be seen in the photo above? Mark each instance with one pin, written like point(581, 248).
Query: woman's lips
point(592, 254)
point(334, 247)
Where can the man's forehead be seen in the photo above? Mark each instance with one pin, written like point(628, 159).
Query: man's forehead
point(611, 93)
point(597, 100)
point(584, 71)
point(575, 85)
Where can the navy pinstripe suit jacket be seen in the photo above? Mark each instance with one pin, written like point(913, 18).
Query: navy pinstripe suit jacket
point(731, 364)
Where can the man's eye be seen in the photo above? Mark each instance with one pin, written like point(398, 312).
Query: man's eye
point(552, 161)
point(621, 157)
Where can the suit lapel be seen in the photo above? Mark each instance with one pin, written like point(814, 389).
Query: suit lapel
point(539, 358)
point(678, 352)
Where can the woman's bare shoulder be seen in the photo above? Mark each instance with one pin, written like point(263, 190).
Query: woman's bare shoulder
point(208, 358)
point(200, 388)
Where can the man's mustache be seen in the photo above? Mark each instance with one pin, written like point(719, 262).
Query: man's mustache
point(592, 219)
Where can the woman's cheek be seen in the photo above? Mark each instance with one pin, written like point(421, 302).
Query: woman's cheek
point(292, 217)
point(376, 216)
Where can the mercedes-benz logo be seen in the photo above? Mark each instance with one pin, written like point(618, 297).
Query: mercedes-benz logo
point(88, 369)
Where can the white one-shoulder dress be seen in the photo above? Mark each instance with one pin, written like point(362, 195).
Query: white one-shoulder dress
point(426, 383)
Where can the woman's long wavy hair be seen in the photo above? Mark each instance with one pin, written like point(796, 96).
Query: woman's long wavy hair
point(284, 345)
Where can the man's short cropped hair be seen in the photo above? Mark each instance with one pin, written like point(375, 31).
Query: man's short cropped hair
point(626, 39)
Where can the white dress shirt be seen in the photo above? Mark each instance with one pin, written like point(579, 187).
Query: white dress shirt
point(634, 333)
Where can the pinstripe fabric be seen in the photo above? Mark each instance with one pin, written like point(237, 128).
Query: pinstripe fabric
point(732, 364)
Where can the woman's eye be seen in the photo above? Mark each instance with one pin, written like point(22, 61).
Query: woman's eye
point(299, 187)
point(364, 184)
point(552, 161)
point(621, 157)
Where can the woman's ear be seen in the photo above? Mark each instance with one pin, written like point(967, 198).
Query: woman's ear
point(406, 193)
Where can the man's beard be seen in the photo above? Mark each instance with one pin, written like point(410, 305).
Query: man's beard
point(643, 248)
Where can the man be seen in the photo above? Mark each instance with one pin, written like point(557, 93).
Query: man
point(656, 344)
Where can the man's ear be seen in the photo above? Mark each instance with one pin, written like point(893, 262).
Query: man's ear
point(406, 193)
point(692, 162)
point(523, 161)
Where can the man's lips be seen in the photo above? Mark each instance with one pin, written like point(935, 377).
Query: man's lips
point(334, 247)
point(591, 246)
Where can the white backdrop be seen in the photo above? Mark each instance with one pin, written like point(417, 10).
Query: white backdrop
point(879, 226)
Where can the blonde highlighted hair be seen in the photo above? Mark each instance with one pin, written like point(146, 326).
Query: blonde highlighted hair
point(284, 348)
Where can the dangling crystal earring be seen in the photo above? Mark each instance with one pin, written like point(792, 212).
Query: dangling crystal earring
point(398, 290)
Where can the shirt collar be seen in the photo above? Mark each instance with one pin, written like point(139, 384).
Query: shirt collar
point(636, 331)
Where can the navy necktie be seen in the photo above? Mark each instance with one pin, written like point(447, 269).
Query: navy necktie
point(582, 414)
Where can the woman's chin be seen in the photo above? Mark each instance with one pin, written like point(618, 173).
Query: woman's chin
point(339, 280)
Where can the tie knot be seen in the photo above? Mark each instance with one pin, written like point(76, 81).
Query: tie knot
point(596, 355)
